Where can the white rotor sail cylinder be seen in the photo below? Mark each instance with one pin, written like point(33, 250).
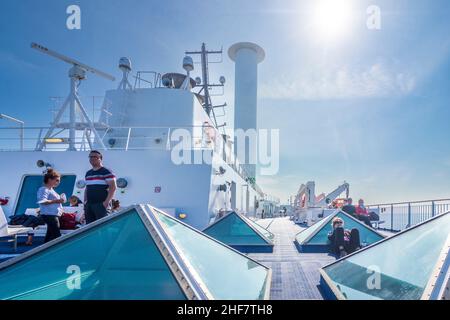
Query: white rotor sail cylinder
point(246, 56)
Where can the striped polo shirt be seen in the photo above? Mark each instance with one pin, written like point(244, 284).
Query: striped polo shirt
point(96, 184)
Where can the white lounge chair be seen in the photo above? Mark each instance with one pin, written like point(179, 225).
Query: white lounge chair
point(10, 233)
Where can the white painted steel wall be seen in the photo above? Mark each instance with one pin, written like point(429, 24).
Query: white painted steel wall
point(190, 189)
point(152, 107)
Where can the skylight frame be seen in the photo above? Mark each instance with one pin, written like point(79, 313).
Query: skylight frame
point(188, 288)
point(330, 283)
point(268, 280)
point(187, 278)
point(268, 241)
point(330, 217)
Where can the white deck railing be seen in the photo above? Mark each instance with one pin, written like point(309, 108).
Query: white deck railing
point(402, 215)
point(114, 138)
point(124, 138)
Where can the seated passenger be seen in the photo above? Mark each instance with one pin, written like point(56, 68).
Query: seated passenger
point(28, 220)
point(74, 201)
point(343, 241)
point(349, 208)
point(115, 206)
point(362, 214)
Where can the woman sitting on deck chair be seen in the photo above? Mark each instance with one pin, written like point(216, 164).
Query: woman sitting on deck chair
point(343, 241)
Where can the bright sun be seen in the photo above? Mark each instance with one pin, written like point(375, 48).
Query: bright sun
point(331, 18)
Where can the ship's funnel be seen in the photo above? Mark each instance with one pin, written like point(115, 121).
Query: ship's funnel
point(246, 55)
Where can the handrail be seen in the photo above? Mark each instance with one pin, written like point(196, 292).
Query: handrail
point(405, 202)
point(398, 216)
point(112, 127)
point(107, 132)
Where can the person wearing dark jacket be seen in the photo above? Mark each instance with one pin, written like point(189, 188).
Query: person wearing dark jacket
point(349, 208)
point(343, 241)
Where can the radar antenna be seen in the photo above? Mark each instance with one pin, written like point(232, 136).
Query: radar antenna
point(76, 73)
point(204, 81)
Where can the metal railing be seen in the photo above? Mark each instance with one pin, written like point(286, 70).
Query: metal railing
point(147, 79)
point(126, 138)
point(114, 138)
point(399, 216)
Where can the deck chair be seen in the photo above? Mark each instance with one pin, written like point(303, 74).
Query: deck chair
point(376, 224)
point(10, 233)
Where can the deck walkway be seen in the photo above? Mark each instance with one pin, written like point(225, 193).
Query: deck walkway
point(294, 275)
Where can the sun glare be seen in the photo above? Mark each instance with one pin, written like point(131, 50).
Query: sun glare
point(331, 18)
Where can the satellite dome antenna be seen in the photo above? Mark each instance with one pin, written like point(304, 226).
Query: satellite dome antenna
point(77, 73)
point(188, 65)
point(125, 66)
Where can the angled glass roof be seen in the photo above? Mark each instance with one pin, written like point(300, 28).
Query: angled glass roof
point(236, 230)
point(404, 266)
point(226, 273)
point(269, 235)
point(140, 253)
point(117, 259)
point(306, 234)
point(317, 234)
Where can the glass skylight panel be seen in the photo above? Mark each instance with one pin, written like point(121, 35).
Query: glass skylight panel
point(117, 259)
point(367, 235)
point(404, 262)
point(233, 230)
point(226, 273)
point(269, 235)
point(307, 233)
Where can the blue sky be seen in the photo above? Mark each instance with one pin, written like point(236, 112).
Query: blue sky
point(369, 107)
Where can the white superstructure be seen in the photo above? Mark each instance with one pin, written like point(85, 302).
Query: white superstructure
point(156, 136)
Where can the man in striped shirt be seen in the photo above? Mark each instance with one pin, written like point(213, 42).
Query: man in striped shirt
point(100, 188)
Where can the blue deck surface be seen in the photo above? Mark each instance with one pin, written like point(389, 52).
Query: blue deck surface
point(7, 250)
point(294, 275)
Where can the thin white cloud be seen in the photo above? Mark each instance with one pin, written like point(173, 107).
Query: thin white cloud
point(323, 83)
point(10, 59)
